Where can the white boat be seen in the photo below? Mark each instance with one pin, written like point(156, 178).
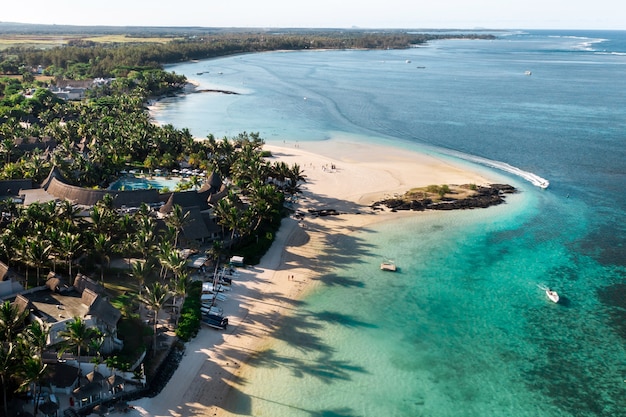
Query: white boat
point(528, 73)
point(552, 295)
point(388, 266)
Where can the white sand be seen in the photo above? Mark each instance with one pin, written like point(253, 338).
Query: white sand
point(261, 295)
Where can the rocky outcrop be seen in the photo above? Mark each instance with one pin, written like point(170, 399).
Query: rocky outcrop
point(483, 197)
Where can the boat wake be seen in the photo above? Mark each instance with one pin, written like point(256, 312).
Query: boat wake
point(534, 179)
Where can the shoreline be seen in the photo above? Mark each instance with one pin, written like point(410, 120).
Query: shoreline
point(339, 176)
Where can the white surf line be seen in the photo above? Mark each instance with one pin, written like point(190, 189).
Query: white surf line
point(534, 179)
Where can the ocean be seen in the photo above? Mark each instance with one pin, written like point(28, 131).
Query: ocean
point(463, 328)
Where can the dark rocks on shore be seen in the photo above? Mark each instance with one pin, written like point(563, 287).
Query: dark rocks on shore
point(483, 198)
point(216, 91)
point(324, 212)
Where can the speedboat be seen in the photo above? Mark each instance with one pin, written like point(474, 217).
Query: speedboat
point(388, 266)
point(552, 295)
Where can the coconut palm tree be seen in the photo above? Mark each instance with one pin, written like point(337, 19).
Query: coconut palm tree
point(66, 211)
point(264, 203)
point(154, 298)
point(36, 335)
point(8, 243)
point(177, 219)
point(181, 286)
point(229, 217)
point(295, 175)
point(175, 262)
point(103, 219)
point(141, 271)
point(195, 181)
point(7, 145)
point(216, 251)
point(8, 364)
point(31, 371)
point(77, 335)
point(164, 248)
point(11, 321)
point(102, 246)
point(70, 245)
point(37, 253)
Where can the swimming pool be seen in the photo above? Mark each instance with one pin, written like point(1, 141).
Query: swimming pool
point(127, 183)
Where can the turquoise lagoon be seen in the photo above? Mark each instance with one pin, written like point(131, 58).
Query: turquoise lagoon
point(463, 328)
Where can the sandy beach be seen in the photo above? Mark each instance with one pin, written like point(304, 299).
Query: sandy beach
point(341, 176)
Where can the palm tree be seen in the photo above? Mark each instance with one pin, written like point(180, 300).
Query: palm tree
point(32, 370)
point(103, 246)
point(141, 271)
point(177, 219)
point(37, 253)
point(175, 262)
point(144, 242)
point(7, 245)
point(36, 335)
point(70, 245)
point(164, 248)
point(229, 216)
point(77, 335)
point(8, 364)
point(195, 181)
point(68, 212)
point(155, 297)
point(295, 175)
point(215, 251)
point(103, 219)
point(6, 147)
point(181, 286)
point(264, 202)
point(11, 320)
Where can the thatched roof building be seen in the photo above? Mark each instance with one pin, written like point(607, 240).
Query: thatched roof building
point(58, 187)
point(83, 282)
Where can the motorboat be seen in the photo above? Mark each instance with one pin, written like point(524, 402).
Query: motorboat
point(388, 266)
point(552, 295)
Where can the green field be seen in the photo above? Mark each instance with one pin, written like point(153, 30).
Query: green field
point(50, 41)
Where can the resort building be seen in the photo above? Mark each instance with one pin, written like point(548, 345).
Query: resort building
point(56, 304)
point(201, 225)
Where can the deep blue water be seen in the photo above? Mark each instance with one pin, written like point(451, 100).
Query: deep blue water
point(471, 333)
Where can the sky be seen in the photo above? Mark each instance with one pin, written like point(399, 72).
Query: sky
point(417, 14)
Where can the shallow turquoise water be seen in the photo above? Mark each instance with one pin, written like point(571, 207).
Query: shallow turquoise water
point(463, 328)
